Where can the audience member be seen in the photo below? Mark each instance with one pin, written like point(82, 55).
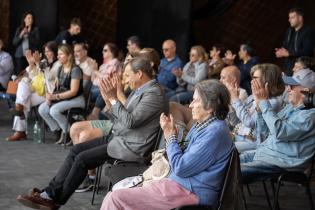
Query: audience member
point(216, 63)
point(298, 40)
point(210, 141)
point(246, 134)
point(84, 62)
point(26, 38)
point(135, 130)
point(68, 93)
point(170, 62)
point(31, 89)
point(133, 47)
point(194, 71)
point(111, 64)
point(303, 62)
point(6, 67)
point(291, 135)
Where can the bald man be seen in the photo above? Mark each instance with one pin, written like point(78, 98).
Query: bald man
point(231, 76)
point(170, 61)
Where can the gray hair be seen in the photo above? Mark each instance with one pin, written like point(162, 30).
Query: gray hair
point(141, 64)
point(214, 95)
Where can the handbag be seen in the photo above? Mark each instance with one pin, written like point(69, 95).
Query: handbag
point(12, 87)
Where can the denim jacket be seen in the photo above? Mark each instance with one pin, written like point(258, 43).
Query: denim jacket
point(291, 140)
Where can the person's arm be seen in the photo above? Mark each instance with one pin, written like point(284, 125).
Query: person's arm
point(199, 157)
point(242, 111)
point(201, 73)
point(147, 107)
point(6, 65)
point(17, 39)
point(287, 129)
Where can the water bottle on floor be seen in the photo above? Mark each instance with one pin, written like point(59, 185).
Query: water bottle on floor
point(37, 133)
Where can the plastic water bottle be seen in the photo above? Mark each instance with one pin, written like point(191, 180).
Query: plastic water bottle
point(37, 133)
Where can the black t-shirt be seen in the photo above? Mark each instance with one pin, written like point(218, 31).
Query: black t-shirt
point(64, 80)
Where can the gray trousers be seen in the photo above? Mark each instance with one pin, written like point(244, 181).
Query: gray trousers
point(53, 114)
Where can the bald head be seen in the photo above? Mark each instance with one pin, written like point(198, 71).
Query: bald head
point(169, 49)
point(230, 74)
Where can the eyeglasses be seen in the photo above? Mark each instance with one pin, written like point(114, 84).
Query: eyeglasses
point(165, 49)
point(105, 50)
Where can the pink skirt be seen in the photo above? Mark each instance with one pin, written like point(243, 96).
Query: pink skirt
point(160, 195)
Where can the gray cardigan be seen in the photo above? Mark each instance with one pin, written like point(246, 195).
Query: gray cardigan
point(136, 124)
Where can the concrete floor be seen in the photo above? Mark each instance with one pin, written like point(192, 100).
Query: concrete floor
point(25, 164)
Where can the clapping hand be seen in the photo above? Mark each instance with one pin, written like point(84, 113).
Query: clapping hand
point(281, 52)
point(229, 57)
point(108, 89)
point(234, 90)
point(177, 72)
point(260, 91)
point(168, 125)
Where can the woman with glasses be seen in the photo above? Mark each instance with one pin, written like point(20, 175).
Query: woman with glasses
point(111, 64)
point(246, 134)
point(196, 70)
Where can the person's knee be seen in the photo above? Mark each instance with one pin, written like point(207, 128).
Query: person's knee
point(54, 111)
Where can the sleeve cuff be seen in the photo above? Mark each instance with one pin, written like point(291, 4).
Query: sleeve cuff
point(172, 139)
point(264, 106)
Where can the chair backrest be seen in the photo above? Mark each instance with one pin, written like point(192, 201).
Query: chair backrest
point(230, 196)
point(87, 93)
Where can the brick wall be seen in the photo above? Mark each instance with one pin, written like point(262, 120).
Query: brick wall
point(262, 22)
point(4, 17)
point(98, 17)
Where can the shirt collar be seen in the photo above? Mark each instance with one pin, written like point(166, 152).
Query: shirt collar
point(200, 126)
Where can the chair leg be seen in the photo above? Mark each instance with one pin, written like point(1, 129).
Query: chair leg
point(276, 197)
point(94, 188)
point(248, 190)
point(267, 195)
point(243, 196)
point(100, 169)
point(308, 192)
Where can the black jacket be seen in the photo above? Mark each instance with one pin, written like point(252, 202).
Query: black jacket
point(34, 41)
point(300, 43)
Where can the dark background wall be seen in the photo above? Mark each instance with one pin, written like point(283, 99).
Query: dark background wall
point(262, 22)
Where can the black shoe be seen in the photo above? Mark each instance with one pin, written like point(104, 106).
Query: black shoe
point(87, 185)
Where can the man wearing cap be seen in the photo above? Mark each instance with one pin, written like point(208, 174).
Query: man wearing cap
point(291, 137)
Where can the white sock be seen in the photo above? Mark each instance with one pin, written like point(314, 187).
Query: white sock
point(45, 195)
point(92, 177)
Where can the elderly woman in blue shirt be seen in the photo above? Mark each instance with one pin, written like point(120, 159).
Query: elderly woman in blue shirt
point(197, 172)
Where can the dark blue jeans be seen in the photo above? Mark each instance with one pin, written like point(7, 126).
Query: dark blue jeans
point(97, 97)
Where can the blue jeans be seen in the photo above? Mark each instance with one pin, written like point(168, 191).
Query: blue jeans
point(97, 97)
point(254, 170)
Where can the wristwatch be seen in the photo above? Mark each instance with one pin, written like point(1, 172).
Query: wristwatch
point(113, 102)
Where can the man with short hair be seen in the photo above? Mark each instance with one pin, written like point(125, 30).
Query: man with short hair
point(133, 47)
point(298, 40)
point(135, 130)
point(248, 60)
point(168, 63)
point(291, 135)
point(84, 61)
point(71, 35)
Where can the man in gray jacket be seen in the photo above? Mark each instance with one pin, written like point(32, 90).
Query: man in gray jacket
point(135, 129)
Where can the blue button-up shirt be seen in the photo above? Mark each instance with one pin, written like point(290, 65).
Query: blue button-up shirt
point(291, 140)
point(165, 76)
